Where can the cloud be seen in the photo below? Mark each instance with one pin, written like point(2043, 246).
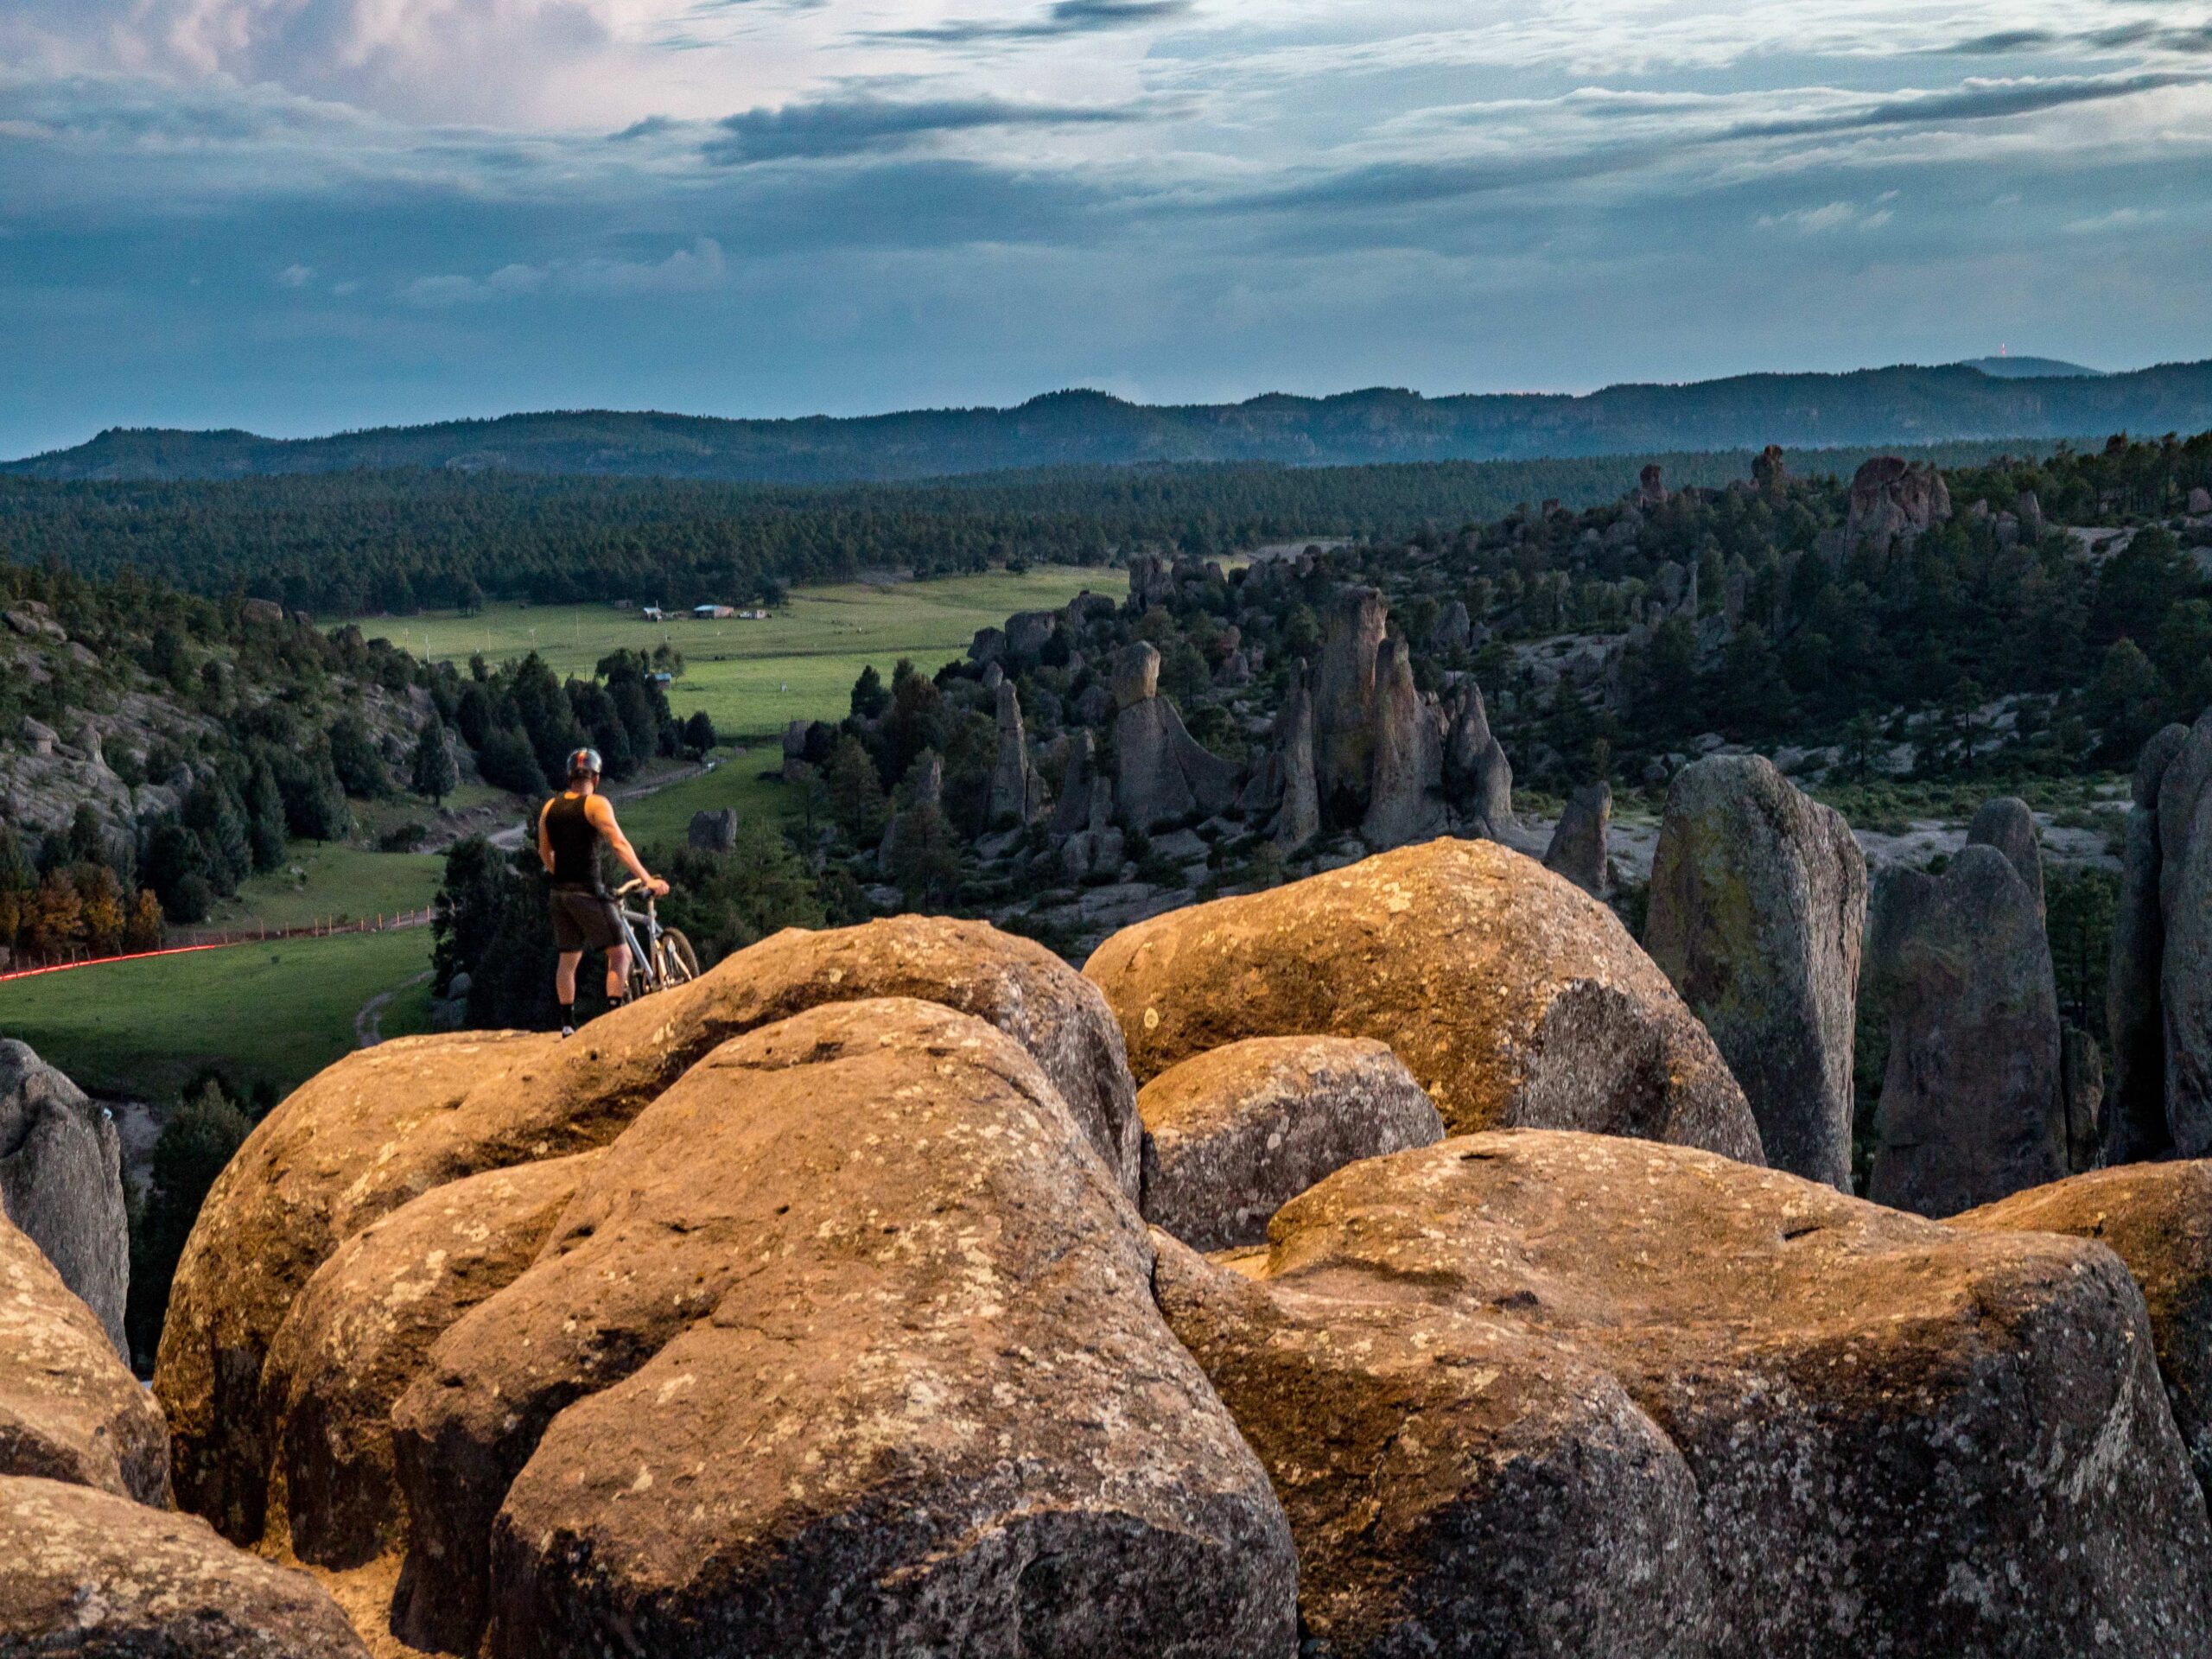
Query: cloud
point(849, 126)
point(2141, 32)
point(687, 271)
point(295, 276)
point(1830, 216)
point(1065, 18)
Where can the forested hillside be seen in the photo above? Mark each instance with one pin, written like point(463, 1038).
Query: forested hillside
point(1902, 404)
point(350, 543)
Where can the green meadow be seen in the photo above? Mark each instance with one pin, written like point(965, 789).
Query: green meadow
point(755, 678)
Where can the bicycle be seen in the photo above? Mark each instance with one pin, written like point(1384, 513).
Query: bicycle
point(662, 956)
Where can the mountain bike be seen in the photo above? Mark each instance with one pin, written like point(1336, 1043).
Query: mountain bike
point(659, 956)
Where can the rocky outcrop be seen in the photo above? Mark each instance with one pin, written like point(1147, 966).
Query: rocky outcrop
point(2185, 970)
point(1958, 967)
point(1072, 810)
point(1890, 497)
point(387, 1124)
point(2158, 1217)
point(1164, 775)
point(359, 1333)
point(1534, 1392)
point(1455, 1487)
point(2007, 824)
point(1757, 907)
point(1478, 778)
point(681, 1432)
point(2081, 1092)
point(61, 1182)
point(923, 789)
point(1017, 792)
point(1512, 996)
point(1098, 847)
point(2135, 1115)
point(1232, 1135)
point(1405, 798)
point(85, 1573)
point(69, 1409)
point(712, 832)
point(1344, 693)
point(1298, 810)
point(1578, 850)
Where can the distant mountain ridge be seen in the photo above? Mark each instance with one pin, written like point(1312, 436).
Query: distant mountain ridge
point(1904, 404)
point(2025, 368)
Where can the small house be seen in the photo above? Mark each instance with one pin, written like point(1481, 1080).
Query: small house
point(713, 613)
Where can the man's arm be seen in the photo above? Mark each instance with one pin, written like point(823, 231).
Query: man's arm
point(544, 841)
point(602, 814)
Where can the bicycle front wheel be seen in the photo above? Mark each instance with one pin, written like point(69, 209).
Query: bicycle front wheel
point(677, 964)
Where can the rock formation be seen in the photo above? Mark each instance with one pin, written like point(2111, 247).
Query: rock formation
point(90, 1562)
point(1233, 1133)
point(1344, 693)
point(2135, 1112)
point(2185, 972)
point(1958, 967)
point(1072, 812)
point(2081, 1093)
point(1579, 843)
point(69, 1410)
point(85, 1573)
point(1454, 629)
point(714, 832)
point(1298, 809)
point(1164, 775)
point(1651, 487)
point(1757, 910)
point(1544, 1393)
point(1017, 792)
point(680, 1431)
point(1512, 996)
point(922, 788)
point(2158, 1218)
point(388, 1123)
point(1405, 798)
point(1890, 497)
point(1098, 847)
point(359, 1331)
point(61, 1182)
point(2007, 824)
point(1476, 776)
point(1769, 473)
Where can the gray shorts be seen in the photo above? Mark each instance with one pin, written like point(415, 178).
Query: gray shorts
point(584, 921)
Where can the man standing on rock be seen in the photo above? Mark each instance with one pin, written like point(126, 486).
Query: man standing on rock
point(570, 830)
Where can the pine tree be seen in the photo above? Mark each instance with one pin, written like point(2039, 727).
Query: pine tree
point(433, 772)
point(264, 819)
point(355, 756)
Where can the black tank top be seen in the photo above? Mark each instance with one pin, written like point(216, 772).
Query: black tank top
point(575, 841)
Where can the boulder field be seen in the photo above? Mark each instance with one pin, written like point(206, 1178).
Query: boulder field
point(812, 1309)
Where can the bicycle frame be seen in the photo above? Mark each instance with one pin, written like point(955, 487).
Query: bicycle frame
point(644, 957)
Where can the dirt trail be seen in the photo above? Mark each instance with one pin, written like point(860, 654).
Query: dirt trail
point(368, 1024)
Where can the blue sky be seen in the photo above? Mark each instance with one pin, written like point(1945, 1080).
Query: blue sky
point(301, 215)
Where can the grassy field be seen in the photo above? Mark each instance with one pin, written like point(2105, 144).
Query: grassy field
point(275, 1013)
point(666, 816)
point(335, 882)
point(753, 678)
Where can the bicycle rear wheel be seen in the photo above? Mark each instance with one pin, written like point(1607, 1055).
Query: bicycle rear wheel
point(678, 963)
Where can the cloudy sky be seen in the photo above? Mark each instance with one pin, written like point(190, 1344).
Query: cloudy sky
point(299, 215)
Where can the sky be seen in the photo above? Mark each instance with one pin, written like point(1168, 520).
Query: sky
point(300, 216)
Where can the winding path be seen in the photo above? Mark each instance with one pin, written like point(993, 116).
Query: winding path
point(368, 1024)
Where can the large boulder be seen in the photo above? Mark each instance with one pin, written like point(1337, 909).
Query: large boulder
point(1758, 908)
point(1578, 846)
point(1233, 1133)
point(1899, 1439)
point(333, 1157)
point(1512, 996)
point(61, 1182)
point(1958, 967)
point(1891, 496)
point(68, 1409)
point(358, 1334)
point(86, 1574)
point(388, 1124)
point(1016, 792)
point(2158, 1217)
point(1456, 1486)
point(846, 1346)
